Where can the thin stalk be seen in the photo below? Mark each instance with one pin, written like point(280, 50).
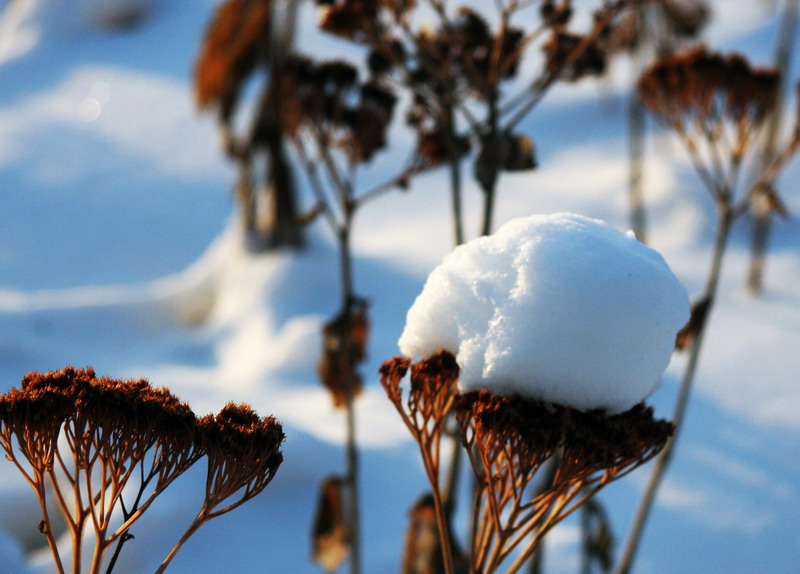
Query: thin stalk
point(455, 176)
point(490, 183)
point(725, 220)
point(351, 449)
point(636, 136)
point(762, 220)
point(441, 514)
point(199, 520)
point(41, 494)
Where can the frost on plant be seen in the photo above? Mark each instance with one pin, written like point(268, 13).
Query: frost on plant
point(543, 340)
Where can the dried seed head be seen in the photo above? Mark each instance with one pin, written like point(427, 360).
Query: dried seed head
point(531, 431)
point(355, 20)
point(571, 59)
point(243, 452)
point(705, 85)
point(555, 14)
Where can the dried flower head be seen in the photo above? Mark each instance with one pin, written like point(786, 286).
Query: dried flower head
point(509, 438)
point(572, 57)
point(430, 395)
point(703, 85)
point(355, 20)
point(243, 452)
point(111, 430)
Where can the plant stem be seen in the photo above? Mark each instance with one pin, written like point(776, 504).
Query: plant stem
point(439, 505)
point(761, 209)
point(636, 134)
point(725, 219)
point(199, 520)
point(351, 456)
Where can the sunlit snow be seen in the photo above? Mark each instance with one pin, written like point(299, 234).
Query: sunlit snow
point(563, 308)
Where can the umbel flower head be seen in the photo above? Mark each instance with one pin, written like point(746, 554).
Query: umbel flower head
point(543, 340)
point(243, 452)
point(84, 437)
point(509, 439)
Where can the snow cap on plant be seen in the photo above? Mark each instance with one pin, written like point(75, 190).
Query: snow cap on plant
point(560, 308)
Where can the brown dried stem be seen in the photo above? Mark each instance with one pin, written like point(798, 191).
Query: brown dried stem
point(424, 411)
point(509, 439)
point(717, 106)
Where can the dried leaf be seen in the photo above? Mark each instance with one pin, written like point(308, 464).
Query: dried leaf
point(507, 152)
point(331, 541)
point(344, 340)
point(697, 319)
point(570, 60)
point(432, 147)
point(236, 39)
point(686, 18)
point(423, 550)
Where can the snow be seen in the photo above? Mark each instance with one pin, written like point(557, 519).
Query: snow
point(562, 308)
point(119, 249)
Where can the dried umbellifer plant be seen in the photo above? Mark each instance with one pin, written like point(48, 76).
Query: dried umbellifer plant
point(508, 440)
point(337, 122)
point(243, 39)
point(243, 455)
point(460, 73)
point(717, 105)
point(104, 447)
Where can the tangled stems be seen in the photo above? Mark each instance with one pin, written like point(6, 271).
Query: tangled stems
point(508, 440)
point(111, 433)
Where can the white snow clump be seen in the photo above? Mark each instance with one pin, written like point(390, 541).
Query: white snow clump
point(560, 308)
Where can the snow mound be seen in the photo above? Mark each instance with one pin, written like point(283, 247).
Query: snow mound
point(562, 308)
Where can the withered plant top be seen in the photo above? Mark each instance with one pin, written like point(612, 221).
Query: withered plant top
point(243, 451)
point(112, 407)
point(704, 84)
point(591, 440)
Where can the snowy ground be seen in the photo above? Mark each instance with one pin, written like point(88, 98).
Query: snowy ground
point(118, 234)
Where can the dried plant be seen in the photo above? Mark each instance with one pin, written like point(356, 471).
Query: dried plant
point(246, 37)
point(510, 438)
point(508, 441)
point(460, 71)
point(430, 398)
point(649, 29)
point(243, 454)
point(331, 536)
point(103, 446)
point(344, 347)
point(762, 208)
point(717, 106)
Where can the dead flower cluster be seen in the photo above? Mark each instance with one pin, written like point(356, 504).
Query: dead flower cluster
point(102, 446)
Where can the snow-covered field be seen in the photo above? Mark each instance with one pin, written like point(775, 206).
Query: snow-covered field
point(118, 234)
